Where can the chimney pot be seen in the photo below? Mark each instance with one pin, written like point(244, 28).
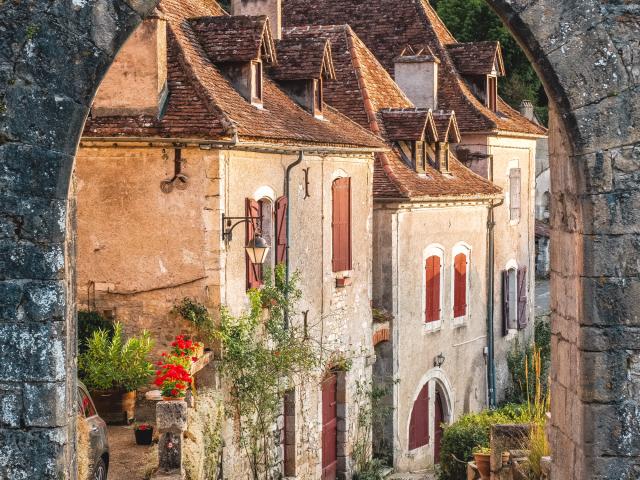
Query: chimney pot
point(526, 110)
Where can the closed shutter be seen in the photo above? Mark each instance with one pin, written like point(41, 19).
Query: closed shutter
point(419, 423)
point(433, 289)
point(460, 286)
point(281, 230)
point(505, 302)
point(523, 318)
point(341, 224)
point(254, 271)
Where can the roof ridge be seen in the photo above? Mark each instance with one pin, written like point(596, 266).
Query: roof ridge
point(190, 68)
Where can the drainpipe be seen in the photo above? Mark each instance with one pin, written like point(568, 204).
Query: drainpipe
point(286, 195)
point(491, 366)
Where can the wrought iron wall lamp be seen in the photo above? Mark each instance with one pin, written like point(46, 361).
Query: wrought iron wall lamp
point(257, 248)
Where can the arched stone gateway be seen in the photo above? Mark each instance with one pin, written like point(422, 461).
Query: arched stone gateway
point(52, 57)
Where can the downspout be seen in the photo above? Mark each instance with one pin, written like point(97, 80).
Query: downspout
point(286, 195)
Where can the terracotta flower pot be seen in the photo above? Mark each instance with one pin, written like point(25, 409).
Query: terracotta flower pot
point(115, 406)
point(483, 464)
point(172, 399)
point(200, 351)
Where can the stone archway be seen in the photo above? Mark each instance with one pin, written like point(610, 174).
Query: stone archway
point(52, 57)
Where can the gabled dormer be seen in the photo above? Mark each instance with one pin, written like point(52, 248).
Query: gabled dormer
point(480, 64)
point(413, 133)
point(448, 133)
point(239, 46)
point(303, 66)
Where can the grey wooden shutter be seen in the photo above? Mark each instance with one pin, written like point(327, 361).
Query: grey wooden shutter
point(522, 298)
point(505, 302)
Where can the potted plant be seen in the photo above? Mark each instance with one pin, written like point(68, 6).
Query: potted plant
point(113, 369)
point(183, 347)
point(173, 379)
point(143, 433)
point(482, 456)
point(199, 316)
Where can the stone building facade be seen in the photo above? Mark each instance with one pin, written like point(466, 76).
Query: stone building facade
point(145, 243)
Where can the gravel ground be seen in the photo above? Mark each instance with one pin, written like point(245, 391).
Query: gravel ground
point(127, 460)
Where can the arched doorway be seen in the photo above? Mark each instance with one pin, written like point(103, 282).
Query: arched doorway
point(382, 421)
point(583, 51)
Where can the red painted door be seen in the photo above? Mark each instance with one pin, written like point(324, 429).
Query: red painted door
point(438, 419)
point(329, 429)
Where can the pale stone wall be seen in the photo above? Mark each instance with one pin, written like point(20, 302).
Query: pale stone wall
point(514, 241)
point(399, 256)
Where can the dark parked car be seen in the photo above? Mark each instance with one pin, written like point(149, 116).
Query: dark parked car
point(99, 443)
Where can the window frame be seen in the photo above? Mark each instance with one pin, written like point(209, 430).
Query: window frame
point(492, 93)
point(461, 248)
point(347, 266)
point(256, 82)
point(433, 250)
point(513, 173)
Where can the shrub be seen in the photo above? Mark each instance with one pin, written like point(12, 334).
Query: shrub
point(110, 362)
point(373, 469)
point(88, 323)
point(198, 315)
point(470, 431)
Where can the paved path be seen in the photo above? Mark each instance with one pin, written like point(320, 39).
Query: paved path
point(127, 460)
point(412, 476)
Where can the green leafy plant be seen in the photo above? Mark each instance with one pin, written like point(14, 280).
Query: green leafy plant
point(482, 450)
point(111, 362)
point(198, 315)
point(88, 323)
point(262, 358)
point(470, 432)
point(373, 469)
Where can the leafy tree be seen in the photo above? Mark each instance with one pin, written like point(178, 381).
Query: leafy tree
point(474, 20)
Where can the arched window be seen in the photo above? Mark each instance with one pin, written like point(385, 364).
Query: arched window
point(419, 423)
point(460, 288)
point(433, 284)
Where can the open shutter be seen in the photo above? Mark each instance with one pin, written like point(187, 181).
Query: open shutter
point(281, 230)
point(341, 224)
point(254, 271)
point(433, 289)
point(522, 298)
point(460, 286)
point(505, 302)
point(419, 423)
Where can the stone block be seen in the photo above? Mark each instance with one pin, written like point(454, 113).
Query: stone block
point(171, 416)
point(45, 449)
point(612, 255)
point(170, 452)
point(602, 376)
point(612, 302)
point(615, 429)
point(32, 352)
point(10, 406)
point(44, 404)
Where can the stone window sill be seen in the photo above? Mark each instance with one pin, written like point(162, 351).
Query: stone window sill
point(431, 327)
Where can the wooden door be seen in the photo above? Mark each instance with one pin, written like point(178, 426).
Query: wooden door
point(438, 419)
point(329, 428)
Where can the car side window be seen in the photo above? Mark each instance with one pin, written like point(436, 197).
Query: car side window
point(85, 405)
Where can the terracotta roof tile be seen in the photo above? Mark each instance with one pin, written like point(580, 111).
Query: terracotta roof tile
point(387, 27)
point(235, 39)
point(477, 58)
point(203, 104)
point(447, 126)
point(303, 58)
point(409, 124)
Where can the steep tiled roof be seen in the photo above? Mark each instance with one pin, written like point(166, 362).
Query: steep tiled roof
point(235, 39)
point(203, 104)
point(447, 126)
point(301, 58)
point(477, 58)
point(409, 124)
point(366, 92)
point(387, 27)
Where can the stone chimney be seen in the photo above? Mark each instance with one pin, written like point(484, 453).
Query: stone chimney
point(416, 72)
point(270, 8)
point(526, 110)
point(136, 83)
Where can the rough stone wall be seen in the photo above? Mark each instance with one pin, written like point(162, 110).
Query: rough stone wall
point(462, 377)
point(52, 57)
point(586, 54)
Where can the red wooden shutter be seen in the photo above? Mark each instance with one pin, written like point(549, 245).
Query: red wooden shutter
point(341, 224)
point(419, 423)
point(254, 271)
point(505, 302)
point(433, 289)
point(281, 230)
point(460, 286)
point(522, 298)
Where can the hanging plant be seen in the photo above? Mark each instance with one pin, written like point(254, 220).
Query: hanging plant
point(197, 314)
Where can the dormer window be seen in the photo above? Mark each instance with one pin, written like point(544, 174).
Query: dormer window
point(419, 156)
point(256, 83)
point(492, 92)
point(318, 98)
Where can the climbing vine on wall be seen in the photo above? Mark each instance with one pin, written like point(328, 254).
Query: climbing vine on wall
point(262, 358)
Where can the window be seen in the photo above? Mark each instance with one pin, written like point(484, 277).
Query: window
point(261, 212)
point(433, 285)
point(514, 194)
point(256, 82)
point(341, 224)
point(85, 405)
point(281, 230)
point(460, 282)
point(419, 423)
point(492, 92)
point(514, 299)
point(318, 97)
